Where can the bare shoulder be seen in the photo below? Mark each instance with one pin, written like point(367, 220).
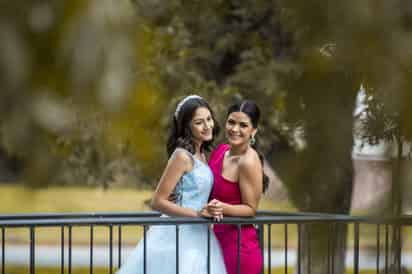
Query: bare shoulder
point(181, 157)
point(250, 170)
point(250, 160)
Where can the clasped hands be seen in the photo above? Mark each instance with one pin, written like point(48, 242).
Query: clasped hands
point(214, 209)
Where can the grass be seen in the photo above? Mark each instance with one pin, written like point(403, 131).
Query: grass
point(18, 199)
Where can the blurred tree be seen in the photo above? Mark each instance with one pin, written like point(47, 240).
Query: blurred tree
point(91, 54)
point(385, 60)
point(376, 124)
point(306, 88)
point(303, 62)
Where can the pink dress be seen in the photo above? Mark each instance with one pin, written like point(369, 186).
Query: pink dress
point(227, 234)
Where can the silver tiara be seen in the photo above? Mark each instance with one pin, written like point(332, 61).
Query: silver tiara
point(184, 100)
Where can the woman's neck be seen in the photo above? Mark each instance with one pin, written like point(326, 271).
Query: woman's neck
point(238, 150)
point(197, 147)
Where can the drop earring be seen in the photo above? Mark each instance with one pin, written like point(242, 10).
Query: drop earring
point(252, 140)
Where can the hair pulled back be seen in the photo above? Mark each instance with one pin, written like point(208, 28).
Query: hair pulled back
point(250, 108)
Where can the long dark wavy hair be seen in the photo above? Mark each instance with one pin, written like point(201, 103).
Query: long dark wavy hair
point(181, 133)
point(250, 108)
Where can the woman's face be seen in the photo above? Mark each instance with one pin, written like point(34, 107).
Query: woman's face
point(239, 128)
point(202, 125)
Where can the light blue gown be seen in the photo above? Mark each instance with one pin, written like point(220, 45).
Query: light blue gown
point(192, 191)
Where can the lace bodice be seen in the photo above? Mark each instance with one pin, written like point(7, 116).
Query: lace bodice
point(194, 187)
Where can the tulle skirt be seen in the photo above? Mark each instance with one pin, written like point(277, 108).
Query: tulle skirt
point(161, 252)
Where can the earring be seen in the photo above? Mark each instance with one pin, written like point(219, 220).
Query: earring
point(252, 140)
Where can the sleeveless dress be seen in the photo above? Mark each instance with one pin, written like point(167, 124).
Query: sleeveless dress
point(251, 260)
point(192, 191)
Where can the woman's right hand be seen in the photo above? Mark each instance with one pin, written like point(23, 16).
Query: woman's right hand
point(204, 212)
point(172, 197)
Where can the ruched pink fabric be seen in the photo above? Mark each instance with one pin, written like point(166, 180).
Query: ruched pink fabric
point(228, 191)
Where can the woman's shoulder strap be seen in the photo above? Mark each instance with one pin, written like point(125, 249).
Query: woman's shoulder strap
point(218, 151)
point(182, 154)
point(180, 150)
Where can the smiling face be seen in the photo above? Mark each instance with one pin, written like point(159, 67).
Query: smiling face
point(202, 125)
point(239, 129)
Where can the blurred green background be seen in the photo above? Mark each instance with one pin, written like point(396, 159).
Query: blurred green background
point(87, 89)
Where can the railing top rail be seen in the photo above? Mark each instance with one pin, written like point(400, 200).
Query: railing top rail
point(153, 218)
point(69, 215)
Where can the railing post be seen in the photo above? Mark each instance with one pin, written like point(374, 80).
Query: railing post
point(299, 247)
point(308, 232)
point(269, 248)
point(356, 249)
point(239, 236)
point(399, 245)
point(261, 242)
point(177, 249)
point(328, 247)
point(378, 246)
point(70, 248)
point(3, 250)
point(119, 251)
point(286, 248)
point(333, 246)
point(32, 250)
point(208, 250)
point(62, 249)
point(144, 249)
point(110, 249)
point(386, 248)
point(91, 248)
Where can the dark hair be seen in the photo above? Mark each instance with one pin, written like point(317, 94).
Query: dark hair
point(181, 133)
point(252, 111)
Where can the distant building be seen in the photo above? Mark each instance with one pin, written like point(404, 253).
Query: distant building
point(372, 165)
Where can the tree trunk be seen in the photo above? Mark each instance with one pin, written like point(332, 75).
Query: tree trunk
point(322, 248)
point(395, 264)
point(320, 178)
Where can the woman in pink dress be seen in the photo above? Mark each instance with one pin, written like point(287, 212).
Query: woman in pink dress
point(238, 184)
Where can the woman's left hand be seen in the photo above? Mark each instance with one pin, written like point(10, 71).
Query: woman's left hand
point(215, 208)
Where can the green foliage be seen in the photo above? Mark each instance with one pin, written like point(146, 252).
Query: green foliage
point(83, 52)
point(254, 50)
point(376, 124)
point(302, 62)
point(87, 157)
point(222, 50)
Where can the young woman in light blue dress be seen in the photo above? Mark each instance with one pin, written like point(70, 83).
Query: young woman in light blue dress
point(188, 174)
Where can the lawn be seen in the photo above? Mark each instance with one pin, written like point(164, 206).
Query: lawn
point(18, 199)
